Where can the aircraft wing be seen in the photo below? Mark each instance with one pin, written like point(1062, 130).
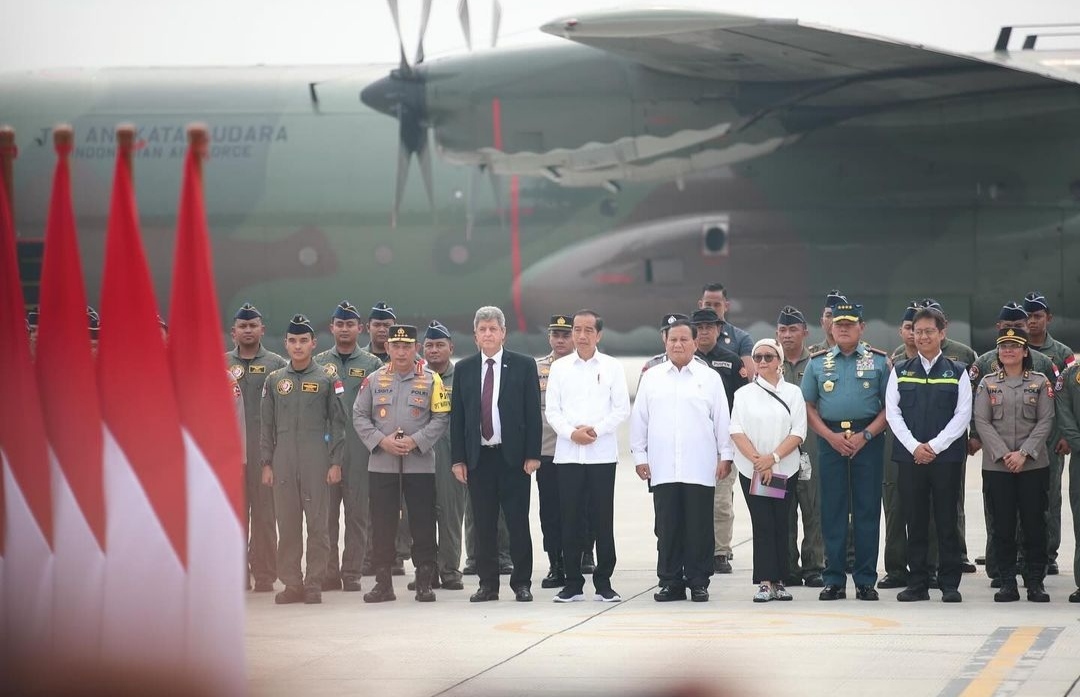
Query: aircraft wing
point(848, 68)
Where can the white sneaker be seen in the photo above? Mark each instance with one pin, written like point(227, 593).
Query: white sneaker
point(781, 593)
point(764, 594)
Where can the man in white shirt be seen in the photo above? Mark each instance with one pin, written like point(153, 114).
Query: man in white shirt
point(928, 407)
point(680, 442)
point(587, 399)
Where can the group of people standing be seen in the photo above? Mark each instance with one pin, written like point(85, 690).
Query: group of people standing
point(415, 446)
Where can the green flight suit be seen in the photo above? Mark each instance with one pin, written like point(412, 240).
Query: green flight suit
point(250, 374)
point(353, 489)
point(450, 497)
point(806, 499)
point(1062, 356)
point(1068, 418)
point(303, 434)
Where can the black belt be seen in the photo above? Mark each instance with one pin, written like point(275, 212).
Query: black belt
point(496, 446)
point(848, 425)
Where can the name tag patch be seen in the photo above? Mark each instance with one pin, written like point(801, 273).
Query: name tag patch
point(357, 373)
point(309, 387)
point(257, 369)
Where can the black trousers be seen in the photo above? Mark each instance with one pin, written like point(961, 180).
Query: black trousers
point(684, 534)
point(419, 491)
point(493, 484)
point(587, 492)
point(769, 520)
point(925, 491)
point(547, 487)
point(1025, 494)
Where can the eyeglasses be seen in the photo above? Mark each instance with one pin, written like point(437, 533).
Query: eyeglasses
point(925, 332)
point(763, 357)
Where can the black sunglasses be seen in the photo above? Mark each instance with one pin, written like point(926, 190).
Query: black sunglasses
point(763, 357)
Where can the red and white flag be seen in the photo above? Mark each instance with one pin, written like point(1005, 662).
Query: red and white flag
point(145, 612)
point(27, 509)
point(69, 399)
point(215, 468)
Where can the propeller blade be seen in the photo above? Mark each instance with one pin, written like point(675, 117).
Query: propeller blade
point(496, 19)
point(403, 161)
point(470, 202)
point(426, 14)
point(466, 27)
point(401, 43)
point(423, 154)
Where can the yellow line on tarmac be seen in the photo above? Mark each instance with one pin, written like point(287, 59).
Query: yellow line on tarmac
point(994, 673)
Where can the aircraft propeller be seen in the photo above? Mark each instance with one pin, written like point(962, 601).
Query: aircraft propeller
point(402, 94)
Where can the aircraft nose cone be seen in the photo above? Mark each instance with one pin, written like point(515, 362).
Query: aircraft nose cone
point(383, 95)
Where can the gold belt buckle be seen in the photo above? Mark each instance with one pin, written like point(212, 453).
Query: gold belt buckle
point(846, 425)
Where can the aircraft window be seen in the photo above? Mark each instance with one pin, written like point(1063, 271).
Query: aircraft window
point(664, 271)
point(715, 241)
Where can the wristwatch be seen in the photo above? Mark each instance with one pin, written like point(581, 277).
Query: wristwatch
point(867, 435)
point(1024, 453)
point(775, 458)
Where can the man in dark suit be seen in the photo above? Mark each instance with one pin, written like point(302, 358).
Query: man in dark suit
point(495, 432)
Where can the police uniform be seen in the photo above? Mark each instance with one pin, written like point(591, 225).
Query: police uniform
point(450, 494)
point(849, 393)
point(1062, 357)
point(1016, 414)
point(547, 477)
point(987, 364)
point(725, 359)
point(1067, 404)
point(805, 563)
point(250, 374)
point(303, 436)
point(414, 405)
point(350, 370)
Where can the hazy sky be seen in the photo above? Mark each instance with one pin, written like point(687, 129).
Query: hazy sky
point(55, 33)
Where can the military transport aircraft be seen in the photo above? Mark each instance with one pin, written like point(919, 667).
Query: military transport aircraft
point(648, 153)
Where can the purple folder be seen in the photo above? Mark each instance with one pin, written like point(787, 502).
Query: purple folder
point(776, 488)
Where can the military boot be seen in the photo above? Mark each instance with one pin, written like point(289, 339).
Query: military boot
point(556, 577)
point(424, 593)
point(384, 587)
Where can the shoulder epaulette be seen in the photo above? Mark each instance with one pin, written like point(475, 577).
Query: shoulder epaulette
point(822, 352)
point(878, 351)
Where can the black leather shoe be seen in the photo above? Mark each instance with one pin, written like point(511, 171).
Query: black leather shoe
point(470, 569)
point(891, 581)
point(721, 565)
point(832, 592)
point(793, 581)
point(523, 595)
point(951, 595)
point(933, 582)
point(331, 584)
point(699, 595)
point(483, 595)
point(312, 596)
point(1007, 594)
point(866, 593)
point(1052, 569)
point(910, 595)
point(967, 567)
point(350, 585)
point(554, 579)
point(814, 581)
point(668, 594)
point(981, 561)
point(588, 563)
point(1036, 592)
point(1075, 597)
point(291, 594)
point(453, 585)
point(264, 586)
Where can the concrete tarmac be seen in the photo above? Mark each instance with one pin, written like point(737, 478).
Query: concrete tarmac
point(729, 645)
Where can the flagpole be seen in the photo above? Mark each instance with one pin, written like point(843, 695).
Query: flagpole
point(8, 152)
